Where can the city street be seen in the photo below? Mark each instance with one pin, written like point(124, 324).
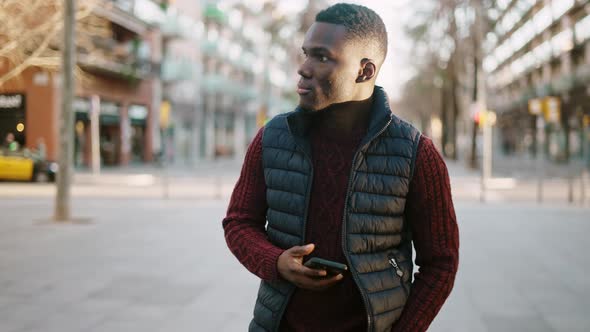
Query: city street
point(133, 261)
point(143, 111)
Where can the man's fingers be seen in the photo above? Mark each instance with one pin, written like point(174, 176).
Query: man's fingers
point(326, 283)
point(318, 284)
point(313, 273)
point(302, 250)
point(329, 281)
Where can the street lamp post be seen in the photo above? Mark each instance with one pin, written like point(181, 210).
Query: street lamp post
point(481, 102)
point(540, 163)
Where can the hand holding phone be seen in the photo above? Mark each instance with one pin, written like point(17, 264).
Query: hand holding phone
point(290, 267)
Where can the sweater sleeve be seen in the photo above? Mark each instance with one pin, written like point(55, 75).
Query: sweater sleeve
point(431, 215)
point(244, 224)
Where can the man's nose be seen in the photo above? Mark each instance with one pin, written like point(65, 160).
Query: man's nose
point(304, 70)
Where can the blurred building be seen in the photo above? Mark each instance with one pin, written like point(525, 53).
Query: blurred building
point(175, 80)
point(118, 81)
point(181, 77)
point(539, 61)
point(246, 73)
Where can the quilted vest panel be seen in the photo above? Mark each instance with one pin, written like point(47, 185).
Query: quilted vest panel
point(288, 177)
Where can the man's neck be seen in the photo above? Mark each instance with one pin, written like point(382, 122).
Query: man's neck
point(346, 117)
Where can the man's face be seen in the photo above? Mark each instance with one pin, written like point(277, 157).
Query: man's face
point(331, 68)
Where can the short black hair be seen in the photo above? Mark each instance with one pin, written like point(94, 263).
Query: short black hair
point(360, 22)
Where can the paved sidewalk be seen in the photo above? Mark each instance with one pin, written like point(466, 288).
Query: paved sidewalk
point(139, 265)
point(216, 180)
point(150, 265)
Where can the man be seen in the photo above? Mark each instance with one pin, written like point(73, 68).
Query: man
point(341, 178)
point(10, 143)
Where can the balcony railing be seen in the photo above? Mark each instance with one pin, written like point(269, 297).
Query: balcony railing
point(112, 10)
point(131, 68)
point(214, 83)
point(212, 12)
point(178, 70)
point(171, 27)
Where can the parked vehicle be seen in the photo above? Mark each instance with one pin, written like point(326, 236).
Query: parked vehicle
point(26, 166)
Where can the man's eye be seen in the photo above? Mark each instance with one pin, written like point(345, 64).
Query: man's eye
point(323, 58)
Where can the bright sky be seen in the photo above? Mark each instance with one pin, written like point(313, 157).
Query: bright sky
point(395, 70)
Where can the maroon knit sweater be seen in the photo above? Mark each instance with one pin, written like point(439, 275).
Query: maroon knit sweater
point(429, 211)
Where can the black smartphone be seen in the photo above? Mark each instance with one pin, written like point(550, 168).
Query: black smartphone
point(333, 268)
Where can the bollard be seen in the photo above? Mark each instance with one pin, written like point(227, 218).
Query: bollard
point(540, 160)
point(583, 187)
point(165, 184)
point(570, 189)
point(218, 189)
point(164, 179)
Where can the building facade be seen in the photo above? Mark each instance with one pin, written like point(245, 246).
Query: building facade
point(117, 87)
point(539, 68)
point(178, 81)
point(246, 71)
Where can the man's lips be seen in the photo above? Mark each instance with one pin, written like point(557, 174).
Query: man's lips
point(303, 90)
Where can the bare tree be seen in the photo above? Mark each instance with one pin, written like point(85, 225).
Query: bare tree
point(445, 30)
point(435, 33)
point(48, 34)
point(421, 95)
point(30, 34)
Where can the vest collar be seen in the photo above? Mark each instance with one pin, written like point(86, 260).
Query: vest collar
point(299, 121)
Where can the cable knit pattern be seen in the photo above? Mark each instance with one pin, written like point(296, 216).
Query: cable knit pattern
point(246, 217)
point(429, 211)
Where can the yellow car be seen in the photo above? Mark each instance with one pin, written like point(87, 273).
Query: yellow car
point(22, 166)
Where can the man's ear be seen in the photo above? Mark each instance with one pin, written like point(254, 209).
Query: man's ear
point(367, 71)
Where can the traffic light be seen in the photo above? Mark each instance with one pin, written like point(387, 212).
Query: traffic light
point(481, 118)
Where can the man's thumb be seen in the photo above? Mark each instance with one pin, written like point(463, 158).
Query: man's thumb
point(302, 250)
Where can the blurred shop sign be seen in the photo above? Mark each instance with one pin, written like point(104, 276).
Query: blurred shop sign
point(82, 105)
point(109, 108)
point(552, 109)
point(165, 114)
point(138, 112)
point(548, 107)
point(535, 106)
point(12, 101)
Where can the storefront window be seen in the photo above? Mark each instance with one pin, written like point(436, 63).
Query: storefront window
point(12, 121)
point(137, 118)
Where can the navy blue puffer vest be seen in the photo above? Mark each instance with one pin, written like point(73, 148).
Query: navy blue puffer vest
point(376, 241)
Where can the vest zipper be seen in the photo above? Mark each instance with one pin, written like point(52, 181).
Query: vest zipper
point(353, 272)
point(305, 215)
point(399, 273)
